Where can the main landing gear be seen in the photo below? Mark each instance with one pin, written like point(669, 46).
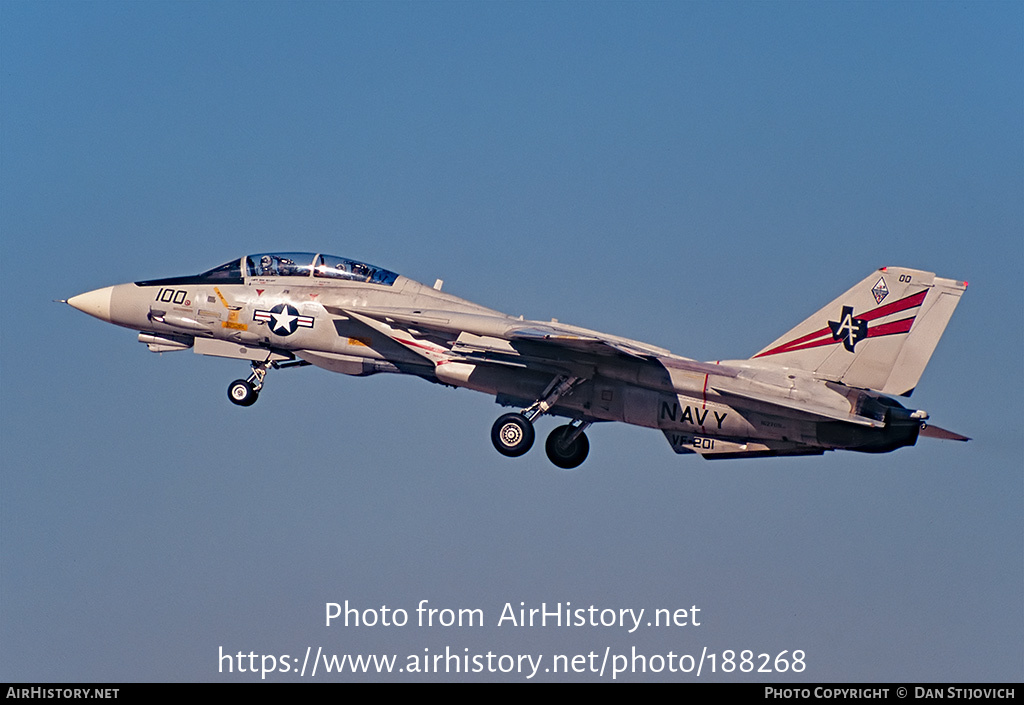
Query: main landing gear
point(567, 446)
point(245, 392)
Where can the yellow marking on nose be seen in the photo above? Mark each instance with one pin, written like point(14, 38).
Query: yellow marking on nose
point(221, 297)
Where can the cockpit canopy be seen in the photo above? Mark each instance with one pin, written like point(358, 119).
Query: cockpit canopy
point(303, 264)
point(287, 264)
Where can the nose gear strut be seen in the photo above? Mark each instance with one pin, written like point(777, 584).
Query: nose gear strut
point(245, 392)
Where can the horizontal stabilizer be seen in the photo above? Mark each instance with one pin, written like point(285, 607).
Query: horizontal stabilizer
point(936, 432)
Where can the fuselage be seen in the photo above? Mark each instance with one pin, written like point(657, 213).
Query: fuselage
point(350, 317)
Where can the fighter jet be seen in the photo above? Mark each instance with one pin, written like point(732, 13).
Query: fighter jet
point(827, 384)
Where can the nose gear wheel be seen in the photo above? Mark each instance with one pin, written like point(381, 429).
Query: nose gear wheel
point(242, 393)
point(245, 392)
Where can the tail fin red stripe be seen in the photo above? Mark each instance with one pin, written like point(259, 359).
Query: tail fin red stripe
point(895, 307)
point(901, 326)
point(811, 340)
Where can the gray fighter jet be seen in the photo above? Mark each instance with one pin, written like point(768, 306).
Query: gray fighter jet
point(827, 384)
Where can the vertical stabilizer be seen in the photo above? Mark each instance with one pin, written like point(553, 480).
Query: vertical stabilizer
point(878, 335)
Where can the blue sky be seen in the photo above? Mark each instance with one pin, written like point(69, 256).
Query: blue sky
point(700, 176)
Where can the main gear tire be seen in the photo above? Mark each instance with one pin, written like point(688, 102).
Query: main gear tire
point(512, 435)
point(567, 456)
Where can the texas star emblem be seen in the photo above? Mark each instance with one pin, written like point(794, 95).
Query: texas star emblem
point(848, 329)
point(283, 319)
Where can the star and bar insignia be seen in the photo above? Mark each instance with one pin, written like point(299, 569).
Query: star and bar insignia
point(284, 319)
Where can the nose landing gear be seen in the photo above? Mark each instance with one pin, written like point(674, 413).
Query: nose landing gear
point(241, 392)
point(245, 392)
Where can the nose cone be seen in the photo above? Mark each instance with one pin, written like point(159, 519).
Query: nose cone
point(95, 303)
